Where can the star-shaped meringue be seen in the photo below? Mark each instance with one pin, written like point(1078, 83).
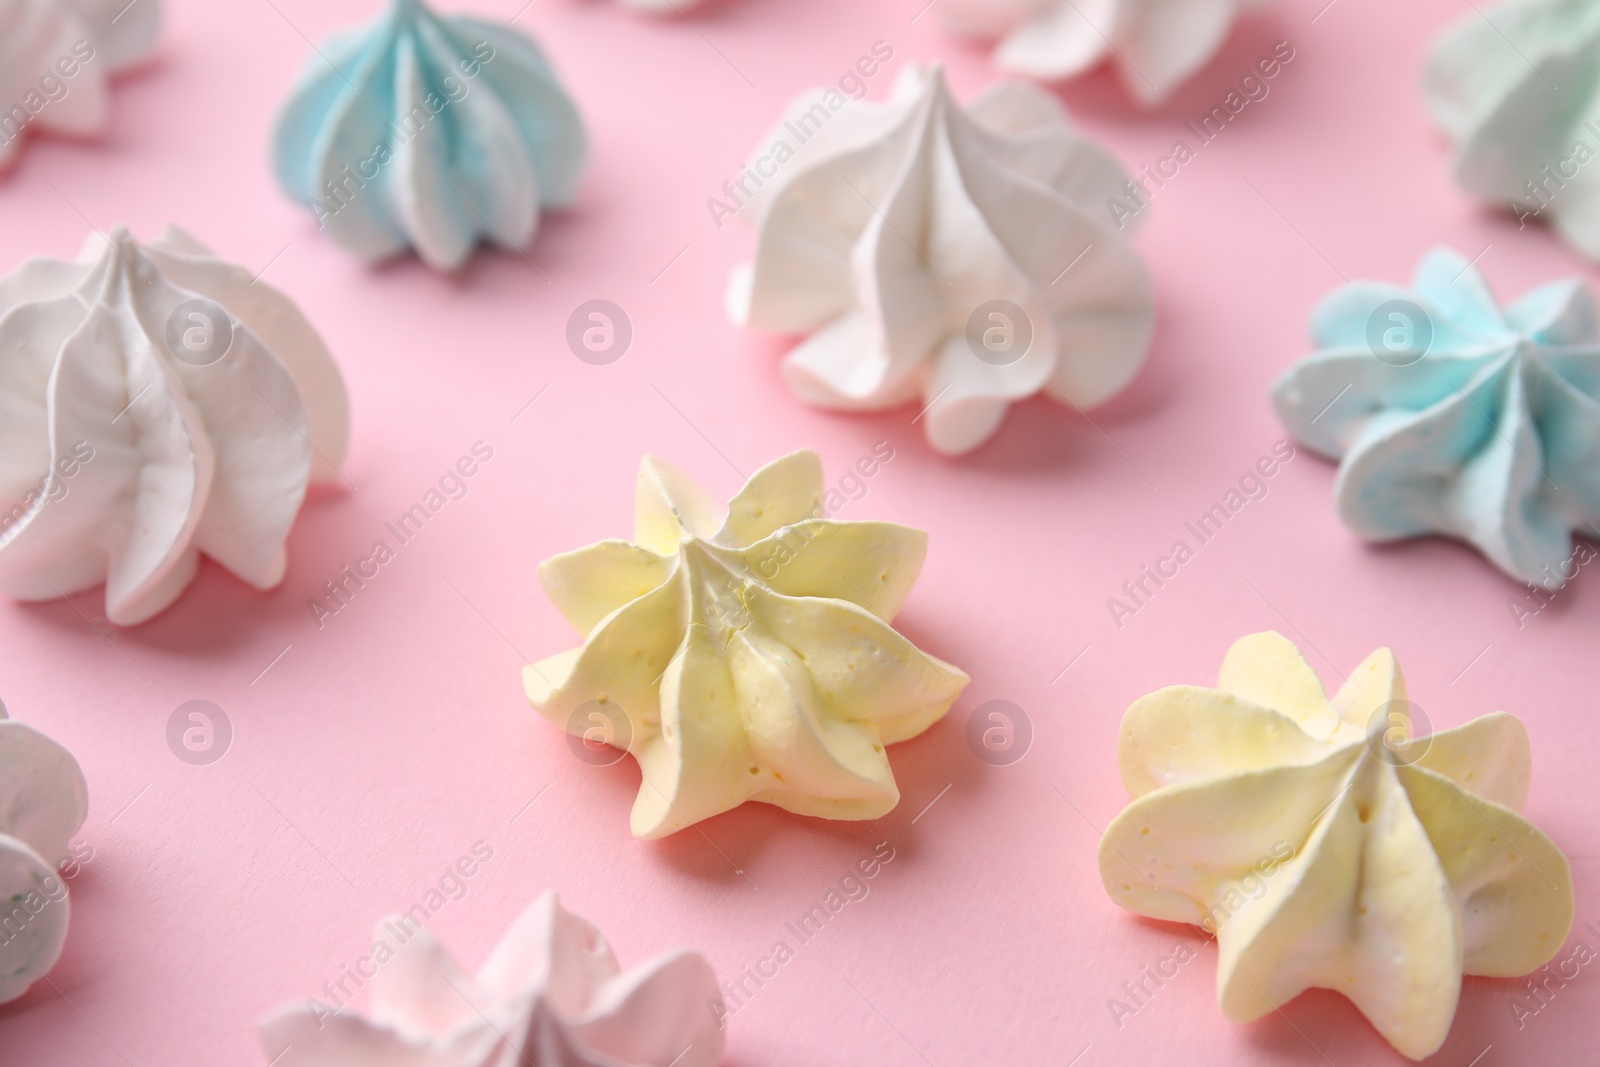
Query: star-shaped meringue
point(551, 995)
point(1327, 847)
point(1451, 416)
point(747, 654)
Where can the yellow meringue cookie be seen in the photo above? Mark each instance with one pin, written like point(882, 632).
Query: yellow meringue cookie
point(1327, 847)
point(747, 654)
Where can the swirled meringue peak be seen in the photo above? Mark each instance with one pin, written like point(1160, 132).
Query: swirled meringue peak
point(159, 404)
point(1327, 845)
point(550, 995)
point(417, 131)
point(955, 259)
point(1153, 45)
point(1514, 86)
point(744, 653)
point(43, 801)
point(1451, 416)
point(57, 59)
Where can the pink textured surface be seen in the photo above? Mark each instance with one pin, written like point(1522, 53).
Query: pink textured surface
point(379, 748)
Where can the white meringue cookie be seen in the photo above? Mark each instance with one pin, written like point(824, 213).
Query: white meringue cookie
point(121, 462)
point(1327, 847)
point(1154, 45)
point(57, 58)
point(43, 802)
point(550, 995)
point(903, 236)
point(744, 654)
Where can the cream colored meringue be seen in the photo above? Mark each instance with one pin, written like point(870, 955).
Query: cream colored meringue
point(893, 231)
point(744, 654)
point(550, 995)
point(121, 462)
point(1327, 847)
point(43, 802)
point(57, 58)
point(1154, 45)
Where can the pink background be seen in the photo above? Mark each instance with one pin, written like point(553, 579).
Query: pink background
point(378, 749)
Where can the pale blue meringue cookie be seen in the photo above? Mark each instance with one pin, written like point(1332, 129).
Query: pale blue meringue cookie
point(417, 131)
point(1516, 85)
point(1452, 416)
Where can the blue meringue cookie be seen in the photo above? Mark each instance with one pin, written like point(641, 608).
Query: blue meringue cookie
point(417, 131)
point(1450, 416)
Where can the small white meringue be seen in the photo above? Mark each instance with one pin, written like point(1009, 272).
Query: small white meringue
point(43, 802)
point(958, 259)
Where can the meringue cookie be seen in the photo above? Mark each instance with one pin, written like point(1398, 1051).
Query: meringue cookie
point(159, 403)
point(958, 259)
point(57, 58)
point(432, 133)
point(43, 802)
point(1327, 847)
point(1513, 86)
point(550, 994)
point(1153, 45)
point(744, 654)
point(1450, 416)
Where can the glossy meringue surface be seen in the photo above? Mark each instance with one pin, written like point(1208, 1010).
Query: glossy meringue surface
point(1328, 847)
point(1491, 435)
point(127, 462)
point(1514, 85)
point(904, 236)
point(744, 653)
point(1153, 45)
point(57, 59)
point(43, 802)
point(551, 994)
point(431, 133)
